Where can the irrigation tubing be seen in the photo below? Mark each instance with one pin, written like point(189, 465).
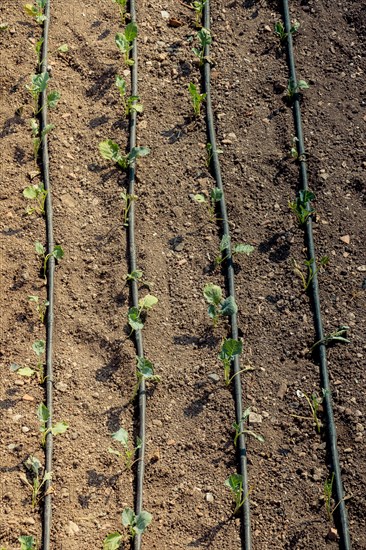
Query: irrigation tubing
point(47, 511)
point(324, 375)
point(242, 454)
point(134, 287)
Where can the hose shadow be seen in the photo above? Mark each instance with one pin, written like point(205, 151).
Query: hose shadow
point(209, 536)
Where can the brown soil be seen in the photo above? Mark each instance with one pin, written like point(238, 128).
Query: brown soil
point(190, 448)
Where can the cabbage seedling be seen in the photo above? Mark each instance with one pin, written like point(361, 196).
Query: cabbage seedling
point(36, 10)
point(144, 371)
point(205, 38)
point(218, 306)
point(127, 199)
point(124, 41)
point(197, 99)
point(27, 543)
point(136, 524)
point(236, 249)
point(39, 348)
point(41, 306)
point(56, 253)
point(43, 417)
point(134, 313)
point(336, 336)
point(306, 279)
point(35, 468)
point(130, 104)
point(38, 137)
point(122, 437)
point(280, 30)
point(235, 484)
point(38, 193)
point(293, 88)
point(210, 153)
point(314, 403)
point(301, 207)
point(215, 196)
point(198, 6)
point(110, 150)
point(240, 431)
point(122, 8)
point(38, 85)
point(230, 348)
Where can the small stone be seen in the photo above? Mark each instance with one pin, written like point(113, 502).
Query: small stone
point(72, 529)
point(345, 239)
point(64, 492)
point(61, 386)
point(232, 136)
point(171, 442)
point(28, 521)
point(267, 28)
point(157, 422)
point(165, 15)
point(27, 397)
point(213, 377)
point(19, 382)
point(316, 474)
point(324, 176)
point(361, 268)
point(282, 390)
point(67, 200)
point(179, 247)
point(25, 429)
point(255, 418)
point(16, 417)
point(209, 497)
point(332, 534)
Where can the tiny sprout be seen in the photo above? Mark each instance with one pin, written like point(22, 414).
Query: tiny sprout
point(127, 199)
point(39, 348)
point(314, 403)
point(215, 196)
point(307, 279)
point(301, 207)
point(43, 417)
point(197, 99)
point(124, 41)
point(36, 10)
point(122, 8)
point(131, 104)
point(280, 30)
point(236, 249)
point(4, 27)
point(210, 153)
point(41, 306)
point(235, 484)
point(293, 88)
point(144, 372)
point(239, 430)
point(35, 470)
point(27, 542)
point(218, 306)
point(57, 253)
point(110, 150)
point(136, 524)
point(122, 437)
point(198, 6)
point(205, 39)
point(38, 193)
point(328, 491)
point(230, 348)
point(337, 336)
point(134, 275)
point(134, 313)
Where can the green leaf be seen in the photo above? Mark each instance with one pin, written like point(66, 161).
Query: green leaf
point(131, 32)
point(128, 517)
point(58, 252)
point(145, 367)
point(199, 198)
point(25, 371)
point(243, 249)
point(143, 520)
point(33, 464)
point(134, 319)
point(212, 311)
point(39, 347)
point(43, 413)
point(216, 194)
point(112, 541)
point(30, 10)
point(137, 152)
point(47, 129)
point(30, 192)
point(63, 48)
point(121, 436)
point(235, 483)
point(27, 542)
point(114, 452)
point(121, 85)
point(52, 99)
point(110, 150)
point(134, 275)
point(229, 307)
point(225, 243)
point(302, 85)
point(40, 250)
point(213, 294)
point(59, 428)
point(34, 124)
point(231, 347)
point(148, 301)
point(256, 436)
point(122, 43)
point(39, 82)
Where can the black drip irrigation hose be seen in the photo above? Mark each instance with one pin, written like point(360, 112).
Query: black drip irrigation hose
point(324, 375)
point(242, 453)
point(47, 511)
point(134, 287)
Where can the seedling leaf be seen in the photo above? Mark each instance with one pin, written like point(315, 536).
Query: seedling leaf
point(59, 428)
point(121, 436)
point(243, 249)
point(134, 319)
point(58, 252)
point(231, 347)
point(43, 413)
point(213, 294)
point(128, 517)
point(229, 307)
point(112, 541)
point(27, 542)
point(148, 301)
point(216, 194)
point(137, 152)
point(52, 99)
point(63, 48)
point(131, 32)
point(145, 367)
point(39, 347)
point(110, 150)
point(25, 371)
point(225, 243)
point(40, 248)
point(143, 520)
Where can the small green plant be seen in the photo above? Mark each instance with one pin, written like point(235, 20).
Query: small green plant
point(39, 348)
point(124, 41)
point(38, 137)
point(38, 49)
point(239, 430)
point(136, 315)
point(130, 104)
point(4, 27)
point(294, 88)
point(235, 483)
point(43, 417)
point(144, 372)
point(301, 207)
point(210, 153)
point(27, 543)
point(314, 403)
point(38, 193)
point(198, 6)
point(36, 10)
point(197, 99)
point(38, 479)
point(215, 197)
point(205, 39)
point(306, 278)
point(136, 525)
point(230, 348)
point(138, 276)
point(328, 491)
point(38, 85)
point(56, 253)
point(339, 335)
point(280, 30)
point(122, 8)
point(127, 202)
point(41, 306)
point(218, 306)
point(236, 249)
point(110, 150)
point(122, 437)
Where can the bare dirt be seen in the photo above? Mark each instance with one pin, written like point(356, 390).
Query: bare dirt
point(190, 449)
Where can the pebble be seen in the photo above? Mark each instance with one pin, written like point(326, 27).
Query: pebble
point(255, 418)
point(361, 268)
point(213, 377)
point(28, 521)
point(61, 386)
point(72, 529)
point(27, 397)
point(209, 497)
point(157, 422)
point(19, 382)
point(316, 474)
point(25, 429)
point(16, 417)
point(345, 239)
point(165, 15)
point(332, 534)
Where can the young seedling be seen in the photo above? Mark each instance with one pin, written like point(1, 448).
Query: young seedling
point(27, 543)
point(239, 430)
point(301, 207)
point(36, 10)
point(110, 150)
point(307, 278)
point(38, 137)
point(4, 27)
point(138, 276)
point(314, 403)
point(236, 249)
point(127, 200)
point(136, 315)
point(197, 99)
point(294, 88)
point(56, 253)
point(41, 306)
point(38, 85)
point(144, 371)
point(337, 336)
point(130, 104)
point(215, 197)
point(37, 193)
point(124, 41)
point(230, 348)
point(210, 153)
point(280, 30)
point(198, 6)
point(205, 39)
point(35, 470)
point(136, 525)
point(328, 492)
point(235, 484)
point(39, 348)
point(122, 437)
point(122, 8)
point(43, 417)
point(218, 306)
